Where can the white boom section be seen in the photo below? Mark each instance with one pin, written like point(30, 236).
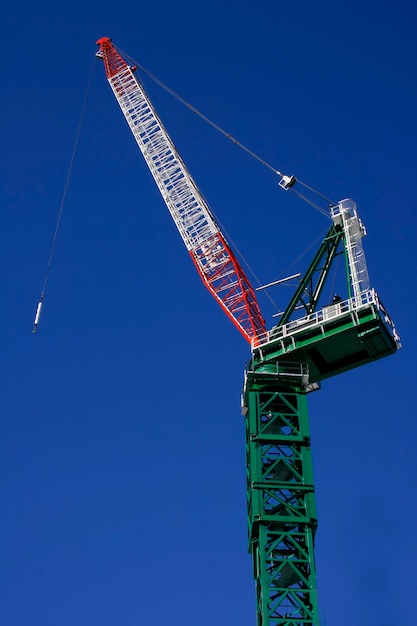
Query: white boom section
point(185, 203)
point(345, 213)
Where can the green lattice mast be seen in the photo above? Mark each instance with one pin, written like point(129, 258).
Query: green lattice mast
point(287, 362)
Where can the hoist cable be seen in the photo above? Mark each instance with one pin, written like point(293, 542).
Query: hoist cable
point(316, 192)
point(245, 262)
point(200, 115)
point(61, 208)
point(228, 135)
point(313, 204)
point(312, 245)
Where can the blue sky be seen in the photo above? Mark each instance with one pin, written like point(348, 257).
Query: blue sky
point(122, 444)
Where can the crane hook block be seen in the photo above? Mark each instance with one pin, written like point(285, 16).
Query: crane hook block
point(287, 182)
point(37, 316)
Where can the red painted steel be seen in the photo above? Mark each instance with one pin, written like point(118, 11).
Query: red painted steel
point(113, 62)
point(228, 283)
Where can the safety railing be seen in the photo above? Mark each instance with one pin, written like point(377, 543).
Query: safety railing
point(330, 312)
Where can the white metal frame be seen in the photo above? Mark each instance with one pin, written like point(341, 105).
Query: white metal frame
point(185, 202)
point(345, 213)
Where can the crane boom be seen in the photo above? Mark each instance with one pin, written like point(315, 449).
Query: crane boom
point(212, 255)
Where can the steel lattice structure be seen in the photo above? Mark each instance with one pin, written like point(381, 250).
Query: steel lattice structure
point(287, 363)
point(213, 257)
point(282, 518)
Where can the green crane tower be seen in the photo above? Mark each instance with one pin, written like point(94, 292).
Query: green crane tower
point(287, 362)
point(292, 361)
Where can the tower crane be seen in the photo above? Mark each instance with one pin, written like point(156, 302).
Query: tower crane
point(287, 362)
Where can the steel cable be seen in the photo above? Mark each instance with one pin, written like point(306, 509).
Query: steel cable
point(228, 135)
point(61, 208)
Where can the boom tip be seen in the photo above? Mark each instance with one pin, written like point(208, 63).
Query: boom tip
point(103, 40)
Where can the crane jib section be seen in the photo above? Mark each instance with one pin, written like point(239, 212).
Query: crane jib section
point(215, 261)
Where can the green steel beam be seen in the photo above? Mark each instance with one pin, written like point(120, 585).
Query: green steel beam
point(315, 277)
point(282, 518)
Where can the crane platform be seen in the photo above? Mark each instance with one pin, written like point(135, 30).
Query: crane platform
point(332, 340)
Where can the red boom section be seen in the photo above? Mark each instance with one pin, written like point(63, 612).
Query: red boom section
point(113, 62)
point(227, 282)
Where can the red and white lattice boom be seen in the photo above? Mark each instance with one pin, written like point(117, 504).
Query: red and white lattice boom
point(215, 261)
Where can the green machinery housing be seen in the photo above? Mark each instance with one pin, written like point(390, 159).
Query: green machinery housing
point(287, 364)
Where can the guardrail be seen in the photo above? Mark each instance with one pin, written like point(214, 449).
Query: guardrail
point(330, 312)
